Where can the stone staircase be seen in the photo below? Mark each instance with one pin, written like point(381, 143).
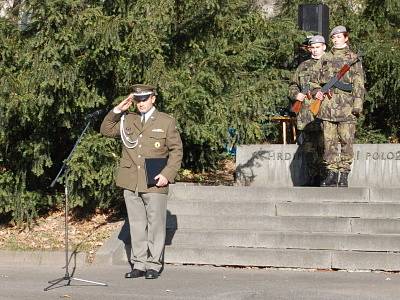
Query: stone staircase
point(318, 228)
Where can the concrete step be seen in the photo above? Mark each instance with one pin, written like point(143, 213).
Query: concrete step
point(258, 194)
point(239, 257)
point(375, 225)
point(389, 210)
point(284, 258)
point(331, 209)
point(277, 258)
point(42, 258)
point(322, 228)
point(218, 208)
point(285, 223)
point(384, 194)
point(285, 240)
point(182, 191)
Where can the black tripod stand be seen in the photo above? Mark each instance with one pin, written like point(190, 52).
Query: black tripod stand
point(68, 277)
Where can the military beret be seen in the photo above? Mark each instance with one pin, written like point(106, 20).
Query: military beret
point(338, 29)
point(316, 39)
point(141, 92)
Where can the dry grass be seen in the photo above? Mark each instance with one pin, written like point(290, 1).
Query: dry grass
point(224, 175)
point(48, 233)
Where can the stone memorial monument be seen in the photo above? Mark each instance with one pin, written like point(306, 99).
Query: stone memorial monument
point(278, 165)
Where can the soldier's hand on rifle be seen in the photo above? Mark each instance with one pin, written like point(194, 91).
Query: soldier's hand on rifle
point(356, 111)
point(319, 95)
point(300, 97)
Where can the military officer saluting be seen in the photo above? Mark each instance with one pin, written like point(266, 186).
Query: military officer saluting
point(147, 134)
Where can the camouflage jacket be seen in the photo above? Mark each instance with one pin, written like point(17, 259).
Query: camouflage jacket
point(305, 76)
point(340, 107)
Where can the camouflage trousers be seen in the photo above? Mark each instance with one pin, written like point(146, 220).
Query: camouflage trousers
point(311, 146)
point(335, 134)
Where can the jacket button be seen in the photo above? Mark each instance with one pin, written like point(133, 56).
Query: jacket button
point(138, 167)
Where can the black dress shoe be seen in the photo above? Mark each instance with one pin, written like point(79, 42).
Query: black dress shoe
point(151, 274)
point(135, 273)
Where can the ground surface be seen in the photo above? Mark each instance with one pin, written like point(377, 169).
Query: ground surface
point(197, 282)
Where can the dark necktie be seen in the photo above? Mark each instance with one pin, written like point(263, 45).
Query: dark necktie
point(143, 120)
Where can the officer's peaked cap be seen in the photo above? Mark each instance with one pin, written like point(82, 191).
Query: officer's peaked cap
point(143, 91)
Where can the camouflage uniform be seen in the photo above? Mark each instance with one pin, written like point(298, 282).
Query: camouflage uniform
point(310, 138)
point(337, 113)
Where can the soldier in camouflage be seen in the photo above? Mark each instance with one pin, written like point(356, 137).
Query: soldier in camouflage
point(340, 111)
point(310, 134)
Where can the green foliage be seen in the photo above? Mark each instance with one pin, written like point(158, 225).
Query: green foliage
point(91, 172)
point(228, 77)
point(217, 63)
point(23, 206)
point(367, 134)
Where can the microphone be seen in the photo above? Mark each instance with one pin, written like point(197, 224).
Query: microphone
point(95, 114)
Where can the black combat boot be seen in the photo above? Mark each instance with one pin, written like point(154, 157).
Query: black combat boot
point(316, 180)
point(331, 179)
point(343, 179)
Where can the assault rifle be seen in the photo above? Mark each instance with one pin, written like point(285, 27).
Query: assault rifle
point(315, 106)
point(296, 107)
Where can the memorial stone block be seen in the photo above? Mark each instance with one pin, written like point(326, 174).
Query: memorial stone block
point(278, 165)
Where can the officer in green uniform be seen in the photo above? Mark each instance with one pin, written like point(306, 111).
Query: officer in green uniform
point(339, 112)
point(310, 134)
point(147, 134)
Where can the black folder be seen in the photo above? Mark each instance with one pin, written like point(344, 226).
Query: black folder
point(153, 167)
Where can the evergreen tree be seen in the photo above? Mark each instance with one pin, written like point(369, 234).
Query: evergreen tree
point(219, 64)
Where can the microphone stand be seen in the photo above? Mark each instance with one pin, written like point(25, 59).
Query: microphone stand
point(67, 276)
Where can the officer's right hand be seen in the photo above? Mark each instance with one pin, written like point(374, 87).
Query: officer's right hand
point(125, 104)
point(300, 97)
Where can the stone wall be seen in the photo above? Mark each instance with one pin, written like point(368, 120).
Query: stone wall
point(277, 165)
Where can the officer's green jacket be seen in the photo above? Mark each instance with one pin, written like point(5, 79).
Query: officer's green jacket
point(306, 75)
point(158, 138)
point(340, 107)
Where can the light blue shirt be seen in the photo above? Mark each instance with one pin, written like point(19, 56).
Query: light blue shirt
point(148, 114)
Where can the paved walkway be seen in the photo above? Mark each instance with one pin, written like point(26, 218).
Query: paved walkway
point(22, 281)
